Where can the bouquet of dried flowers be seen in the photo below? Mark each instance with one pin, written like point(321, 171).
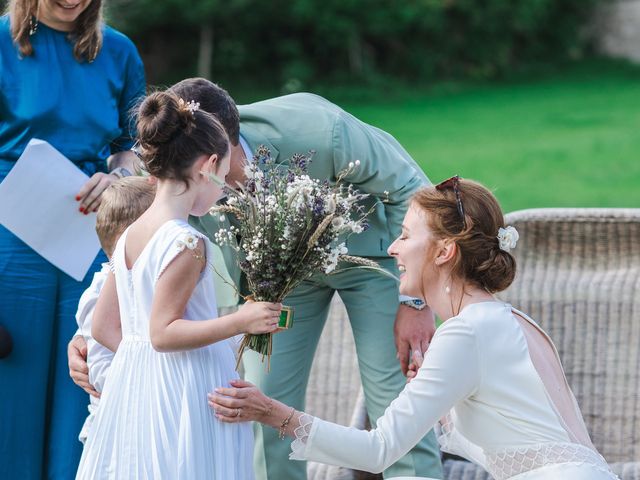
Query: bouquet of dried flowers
point(289, 227)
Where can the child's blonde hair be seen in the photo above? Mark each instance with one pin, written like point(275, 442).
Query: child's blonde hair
point(122, 203)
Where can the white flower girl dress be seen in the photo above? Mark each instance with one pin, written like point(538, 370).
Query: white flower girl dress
point(154, 421)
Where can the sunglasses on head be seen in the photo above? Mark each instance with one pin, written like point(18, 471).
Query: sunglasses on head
point(454, 184)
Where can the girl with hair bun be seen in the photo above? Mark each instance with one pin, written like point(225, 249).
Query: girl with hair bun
point(491, 380)
point(157, 311)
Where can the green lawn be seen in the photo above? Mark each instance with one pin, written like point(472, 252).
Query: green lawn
point(568, 139)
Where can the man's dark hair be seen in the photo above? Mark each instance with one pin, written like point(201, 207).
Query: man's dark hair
point(213, 99)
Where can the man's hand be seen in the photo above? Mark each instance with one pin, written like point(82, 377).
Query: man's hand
point(78, 369)
point(413, 331)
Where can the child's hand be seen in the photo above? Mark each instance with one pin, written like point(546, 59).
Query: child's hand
point(78, 369)
point(260, 317)
point(414, 366)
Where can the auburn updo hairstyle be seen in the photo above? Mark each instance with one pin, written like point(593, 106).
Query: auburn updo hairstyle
point(480, 260)
point(173, 132)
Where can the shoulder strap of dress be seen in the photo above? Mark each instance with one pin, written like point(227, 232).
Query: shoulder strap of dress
point(179, 238)
point(117, 256)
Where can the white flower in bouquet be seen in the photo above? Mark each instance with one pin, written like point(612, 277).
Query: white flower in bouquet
point(291, 226)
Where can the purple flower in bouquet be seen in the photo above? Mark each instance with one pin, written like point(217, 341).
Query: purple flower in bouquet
point(290, 227)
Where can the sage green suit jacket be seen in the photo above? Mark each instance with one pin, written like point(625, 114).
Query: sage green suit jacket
point(302, 122)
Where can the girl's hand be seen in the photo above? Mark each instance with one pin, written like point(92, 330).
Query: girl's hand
point(90, 193)
point(259, 317)
point(243, 402)
point(414, 366)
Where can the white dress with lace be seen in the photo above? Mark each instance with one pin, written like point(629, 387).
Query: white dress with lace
point(496, 408)
point(154, 421)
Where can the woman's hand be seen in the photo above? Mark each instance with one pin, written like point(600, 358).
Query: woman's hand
point(91, 192)
point(243, 402)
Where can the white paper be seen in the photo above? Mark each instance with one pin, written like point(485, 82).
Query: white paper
point(38, 205)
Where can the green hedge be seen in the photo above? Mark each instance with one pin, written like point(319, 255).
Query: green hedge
point(303, 42)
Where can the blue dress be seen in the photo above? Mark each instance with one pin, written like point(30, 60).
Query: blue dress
point(83, 110)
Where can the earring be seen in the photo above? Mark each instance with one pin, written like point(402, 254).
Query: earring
point(33, 21)
point(447, 290)
point(33, 26)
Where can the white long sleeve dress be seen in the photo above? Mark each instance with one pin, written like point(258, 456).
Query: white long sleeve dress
point(495, 379)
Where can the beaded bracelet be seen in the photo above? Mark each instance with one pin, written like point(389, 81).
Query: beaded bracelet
point(283, 427)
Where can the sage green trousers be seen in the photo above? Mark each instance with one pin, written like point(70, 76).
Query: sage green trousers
point(371, 300)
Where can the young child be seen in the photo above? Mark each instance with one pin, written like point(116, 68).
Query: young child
point(122, 203)
point(157, 311)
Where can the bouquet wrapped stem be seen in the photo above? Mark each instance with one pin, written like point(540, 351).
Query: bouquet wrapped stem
point(262, 343)
point(288, 227)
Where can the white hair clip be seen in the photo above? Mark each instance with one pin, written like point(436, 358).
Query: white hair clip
point(191, 106)
point(508, 238)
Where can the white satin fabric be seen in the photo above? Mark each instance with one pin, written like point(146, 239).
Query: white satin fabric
point(479, 378)
point(154, 421)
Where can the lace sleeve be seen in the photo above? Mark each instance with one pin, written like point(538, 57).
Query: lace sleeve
point(444, 430)
point(302, 432)
point(452, 441)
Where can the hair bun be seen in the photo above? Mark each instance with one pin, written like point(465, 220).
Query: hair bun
point(161, 118)
point(174, 132)
point(497, 272)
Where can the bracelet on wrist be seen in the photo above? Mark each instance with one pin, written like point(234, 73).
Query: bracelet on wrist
point(285, 423)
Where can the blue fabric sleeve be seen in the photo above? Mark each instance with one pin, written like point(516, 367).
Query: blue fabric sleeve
point(132, 93)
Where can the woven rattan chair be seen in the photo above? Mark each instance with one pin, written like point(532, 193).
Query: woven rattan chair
point(579, 277)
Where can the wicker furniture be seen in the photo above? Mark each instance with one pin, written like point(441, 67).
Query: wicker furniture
point(579, 277)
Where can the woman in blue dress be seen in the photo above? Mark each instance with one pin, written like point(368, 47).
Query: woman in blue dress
point(66, 78)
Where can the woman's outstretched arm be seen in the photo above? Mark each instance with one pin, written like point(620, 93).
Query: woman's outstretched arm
point(451, 372)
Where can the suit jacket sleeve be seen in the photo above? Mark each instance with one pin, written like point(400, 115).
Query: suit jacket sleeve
point(386, 169)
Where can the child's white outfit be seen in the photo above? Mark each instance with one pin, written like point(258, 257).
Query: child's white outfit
point(98, 357)
point(154, 421)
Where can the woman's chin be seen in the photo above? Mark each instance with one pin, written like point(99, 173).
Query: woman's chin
point(405, 289)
